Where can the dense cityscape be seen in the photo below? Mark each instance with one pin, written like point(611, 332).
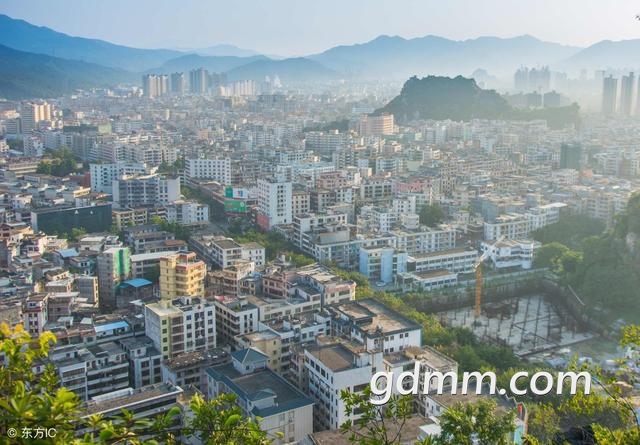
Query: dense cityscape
point(190, 239)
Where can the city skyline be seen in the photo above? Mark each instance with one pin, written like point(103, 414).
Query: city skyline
point(291, 29)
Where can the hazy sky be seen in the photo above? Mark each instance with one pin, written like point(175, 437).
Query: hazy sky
point(297, 27)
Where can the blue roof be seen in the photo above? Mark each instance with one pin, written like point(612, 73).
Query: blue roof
point(136, 282)
point(109, 326)
point(249, 355)
point(68, 253)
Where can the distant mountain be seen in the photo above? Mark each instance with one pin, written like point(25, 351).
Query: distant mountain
point(216, 64)
point(26, 75)
point(295, 69)
point(606, 54)
point(461, 99)
point(225, 50)
point(24, 36)
point(399, 58)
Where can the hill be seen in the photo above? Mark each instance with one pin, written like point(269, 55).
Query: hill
point(461, 99)
point(225, 49)
point(606, 54)
point(296, 69)
point(398, 58)
point(216, 64)
point(23, 36)
point(440, 98)
point(25, 75)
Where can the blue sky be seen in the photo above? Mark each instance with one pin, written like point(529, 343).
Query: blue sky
point(297, 27)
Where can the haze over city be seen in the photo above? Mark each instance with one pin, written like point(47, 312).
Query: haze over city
point(290, 27)
point(319, 223)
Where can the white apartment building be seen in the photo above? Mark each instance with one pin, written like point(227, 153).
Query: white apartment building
point(459, 260)
point(213, 169)
point(149, 190)
point(103, 175)
point(234, 316)
point(374, 325)
point(332, 368)
point(225, 252)
point(274, 203)
point(187, 212)
point(510, 253)
point(519, 226)
point(424, 241)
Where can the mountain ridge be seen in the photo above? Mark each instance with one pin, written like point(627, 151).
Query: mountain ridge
point(25, 75)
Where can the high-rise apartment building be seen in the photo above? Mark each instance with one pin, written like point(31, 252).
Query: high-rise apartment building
point(379, 125)
point(609, 95)
point(198, 80)
point(274, 202)
point(155, 85)
point(626, 94)
point(570, 155)
point(32, 113)
point(114, 267)
point(178, 83)
point(181, 275)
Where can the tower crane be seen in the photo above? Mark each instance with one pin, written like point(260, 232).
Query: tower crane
point(478, 271)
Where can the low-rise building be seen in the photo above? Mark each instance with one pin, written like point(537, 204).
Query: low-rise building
point(263, 393)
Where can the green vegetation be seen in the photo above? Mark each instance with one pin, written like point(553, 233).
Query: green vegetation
point(461, 99)
point(603, 268)
point(375, 426)
point(570, 230)
point(216, 210)
point(181, 232)
point(171, 169)
point(275, 244)
point(35, 401)
point(61, 163)
point(460, 423)
point(431, 215)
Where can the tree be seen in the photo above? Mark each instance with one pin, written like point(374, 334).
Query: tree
point(431, 215)
point(570, 230)
point(76, 233)
point(220, 421)
point(544, 422)
point(153, 273)
point(29, 401)
point(377, 425)
point(463, 422)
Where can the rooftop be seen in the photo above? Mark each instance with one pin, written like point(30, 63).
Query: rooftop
point(126, 398)
point(260, 385)
point(336, 357)
point(381, 319)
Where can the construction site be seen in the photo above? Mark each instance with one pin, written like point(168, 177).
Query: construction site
point(529, 324)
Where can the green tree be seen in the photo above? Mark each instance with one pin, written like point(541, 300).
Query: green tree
point(570, 230)
point(463, 422)
point(35, 401)
point(543, 423)
point(76, 233)
point(27, 400)
point(220, 421)
point(431, 215)
point(153, 273)
point(376, 424)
